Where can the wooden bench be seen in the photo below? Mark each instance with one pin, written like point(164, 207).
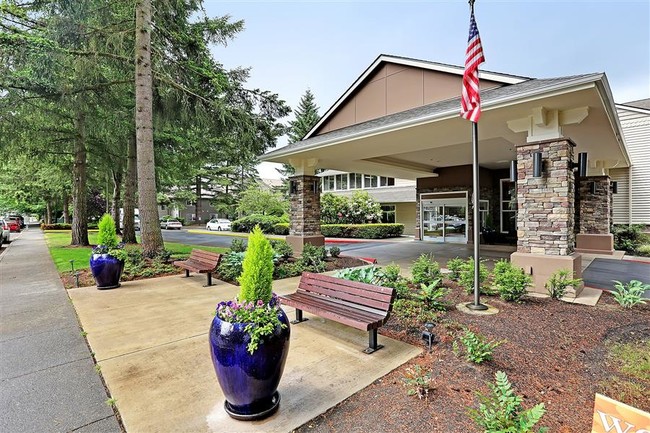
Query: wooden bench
point(201, 261)
point(360, 305)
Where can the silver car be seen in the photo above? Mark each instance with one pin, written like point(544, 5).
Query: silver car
point(171, 224)
point(5, 232)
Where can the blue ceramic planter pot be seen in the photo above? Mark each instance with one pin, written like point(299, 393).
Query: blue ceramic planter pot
point(107, 270)
point(249, 382)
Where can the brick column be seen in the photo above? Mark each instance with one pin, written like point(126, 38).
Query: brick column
point(594, 214)
point(546, 213)
point(304, 225)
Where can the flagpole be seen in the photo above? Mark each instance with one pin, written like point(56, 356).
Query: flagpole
point(476, 213)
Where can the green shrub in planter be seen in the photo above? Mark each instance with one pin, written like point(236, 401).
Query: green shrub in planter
point(425, 270)
point(281, 229)
point(455, 265)
point(629, 238)
point(265, 222)
point(313, 258)
point(512, 282)
point(256, 280)
point(335, 252)
point(558, 283)
point(467, 277)
point(230, 266)
point(282, 248)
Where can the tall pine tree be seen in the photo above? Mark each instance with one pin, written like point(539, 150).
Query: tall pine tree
point(306, 117)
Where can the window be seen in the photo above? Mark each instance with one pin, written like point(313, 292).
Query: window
point(386, 181)
point(388, 213)
point(328, 183)
point(355, 181)
point(484, 210)
point(369, 181)
point(508, 205)
point(341, 181)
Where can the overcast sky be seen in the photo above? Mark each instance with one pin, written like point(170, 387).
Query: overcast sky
point(324, 46)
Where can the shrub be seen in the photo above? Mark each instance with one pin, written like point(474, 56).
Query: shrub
point(56, 226)
point(335, 251)
point(643, 250)
point(431, 295)
point(362, 231)
point(282, 248)
point(287, 270)
point(107, 235)
point(511, 282)
point(358, 209)
point(425, 270)
point(476, 347)
point(312, 258)
point(230, 267)
point(558, 283)
point(631, 294)
point(418, 382)
point(413, 313)
point(237, 246)
point(281, 229)
point(390, 274)
point(466, 278)
point(265, 222)
point(501, 410)
point(368, 275)
point(628, 238)
point(455, 265)
point(256, 280)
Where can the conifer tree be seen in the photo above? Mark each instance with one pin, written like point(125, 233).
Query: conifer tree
point(306, 117)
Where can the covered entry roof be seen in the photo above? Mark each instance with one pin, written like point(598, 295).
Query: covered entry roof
point(412, 143)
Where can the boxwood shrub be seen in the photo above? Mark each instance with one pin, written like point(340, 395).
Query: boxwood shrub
point(266, 222)
point(363, 231)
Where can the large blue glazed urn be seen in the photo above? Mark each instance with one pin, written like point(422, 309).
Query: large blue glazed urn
point(249, 381)
point(107, 270)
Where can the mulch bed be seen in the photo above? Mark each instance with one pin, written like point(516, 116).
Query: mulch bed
point(555, 353)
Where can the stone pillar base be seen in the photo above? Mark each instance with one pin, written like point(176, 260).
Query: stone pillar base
point(540, 267)
point(297, 242)
point(595, 243)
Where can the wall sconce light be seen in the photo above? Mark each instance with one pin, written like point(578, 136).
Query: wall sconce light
point(293, 187)
point(614, 187)
point(592, 187)
point(537, 164)
point(513, 171)
point(315, 187)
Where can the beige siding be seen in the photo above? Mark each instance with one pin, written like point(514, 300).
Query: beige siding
point(405, 214)
point(636, 129)
point(621, 200)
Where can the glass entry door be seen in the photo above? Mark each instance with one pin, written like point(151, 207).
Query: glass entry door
point(444, 220)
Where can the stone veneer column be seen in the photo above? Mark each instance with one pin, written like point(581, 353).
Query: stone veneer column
point(594, 215)
point(304, 227)
point(546, 213)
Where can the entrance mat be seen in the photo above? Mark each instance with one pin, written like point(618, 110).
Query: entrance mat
point(601, 273)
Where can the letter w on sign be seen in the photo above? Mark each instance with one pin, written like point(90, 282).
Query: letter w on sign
point(611, 416)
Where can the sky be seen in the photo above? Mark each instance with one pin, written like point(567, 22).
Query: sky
point(293, 46)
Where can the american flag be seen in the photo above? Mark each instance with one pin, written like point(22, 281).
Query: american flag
point(471, 100)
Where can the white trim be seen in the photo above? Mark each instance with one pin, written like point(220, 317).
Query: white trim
point(558, 89)
point(635, 109)
point(451, 69)
point(501, 211)
point(466, 201)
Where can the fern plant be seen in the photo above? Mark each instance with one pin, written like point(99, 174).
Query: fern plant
point(560, 280)
point(431, 295)
point(476, 347)
point(501, 411)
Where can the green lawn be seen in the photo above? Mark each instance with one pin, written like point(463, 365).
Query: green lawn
point(61, 251)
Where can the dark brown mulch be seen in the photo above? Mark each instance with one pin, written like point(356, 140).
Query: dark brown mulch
point(556, 353)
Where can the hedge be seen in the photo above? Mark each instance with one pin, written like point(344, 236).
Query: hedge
point(281, 229)
point(363, 231)
point(266, 222)
point(57, 226)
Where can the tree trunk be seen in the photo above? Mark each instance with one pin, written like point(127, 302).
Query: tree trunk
point(79, 214)
point(66, 209)
point(128, 231)
point(116, 199)
point(48, 213)
point(198, 205)
point(152, 240)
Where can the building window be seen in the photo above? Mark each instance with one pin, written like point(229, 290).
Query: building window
point(356, 181)
point(369, 181)
point(484, 211)
point(341, 181)
point(328, 183)
point(508, 208)
point(386, 181)
point(388, 213)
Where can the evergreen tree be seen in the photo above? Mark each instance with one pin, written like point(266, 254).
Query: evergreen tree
point(306, 117)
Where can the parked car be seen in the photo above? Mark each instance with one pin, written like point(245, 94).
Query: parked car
point(172, 223)
point(6, 232)
point(218, 224)
point(21, 219)
point(14, 224)
point(136, 222)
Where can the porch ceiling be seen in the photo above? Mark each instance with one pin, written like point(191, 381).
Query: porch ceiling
point(414, 149)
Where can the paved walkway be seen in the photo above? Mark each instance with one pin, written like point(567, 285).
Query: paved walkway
point(48, 381)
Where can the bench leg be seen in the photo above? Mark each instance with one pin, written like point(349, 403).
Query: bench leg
point(187, 273)
point(372, 342)
point(209, 279)
point(299, 317)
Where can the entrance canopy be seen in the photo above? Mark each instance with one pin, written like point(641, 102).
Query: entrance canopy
point(413, 143)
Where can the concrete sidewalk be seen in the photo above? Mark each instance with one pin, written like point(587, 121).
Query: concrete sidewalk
point(48, 381)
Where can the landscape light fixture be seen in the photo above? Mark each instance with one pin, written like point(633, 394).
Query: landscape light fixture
point(537, 164)
point(428, 335)
point(513, 171)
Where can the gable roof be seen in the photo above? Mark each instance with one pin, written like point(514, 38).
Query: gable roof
point(406, 61)
point(641, 106)
point(492, 97)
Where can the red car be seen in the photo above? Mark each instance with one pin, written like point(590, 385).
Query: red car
point(14, 224)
